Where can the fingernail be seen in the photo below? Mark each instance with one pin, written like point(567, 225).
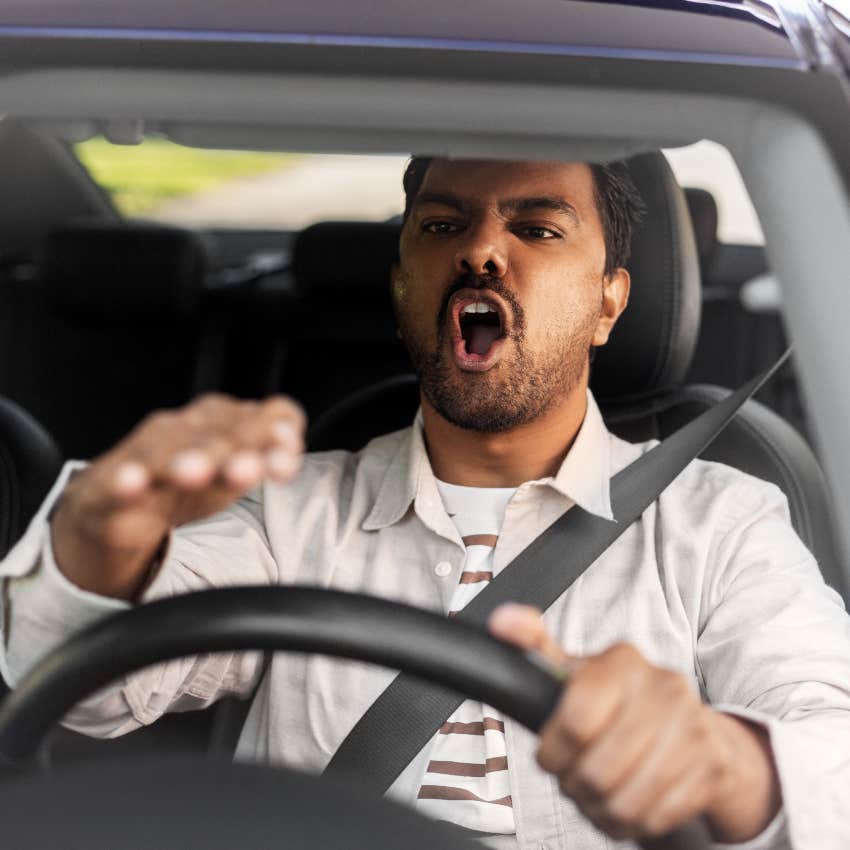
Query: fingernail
point(190, 465)
point(130, 477)
point(281, 464)
point(244, 468)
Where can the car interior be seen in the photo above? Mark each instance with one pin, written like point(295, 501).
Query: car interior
point(108, 318)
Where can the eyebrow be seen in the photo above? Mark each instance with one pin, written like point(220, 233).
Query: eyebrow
point(510, 205)
point(543, 202)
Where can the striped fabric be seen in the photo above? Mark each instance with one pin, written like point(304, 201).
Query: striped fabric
point(466, 781)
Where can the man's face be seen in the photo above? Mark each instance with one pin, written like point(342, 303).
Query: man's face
point(499, 292)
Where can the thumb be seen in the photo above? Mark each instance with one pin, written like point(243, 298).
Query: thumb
point(522, 625)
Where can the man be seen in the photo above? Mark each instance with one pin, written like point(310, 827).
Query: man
point(509, 275)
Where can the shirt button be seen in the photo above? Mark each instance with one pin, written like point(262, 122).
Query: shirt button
point(443, 569)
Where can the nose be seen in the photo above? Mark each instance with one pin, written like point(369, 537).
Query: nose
point(483, 251)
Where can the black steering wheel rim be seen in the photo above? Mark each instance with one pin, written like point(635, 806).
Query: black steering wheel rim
point(346, 625)
point(303, 619)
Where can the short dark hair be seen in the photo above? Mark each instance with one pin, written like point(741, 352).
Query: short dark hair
point(618, 201)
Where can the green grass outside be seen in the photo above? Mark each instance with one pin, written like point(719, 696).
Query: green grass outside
point(141, 177)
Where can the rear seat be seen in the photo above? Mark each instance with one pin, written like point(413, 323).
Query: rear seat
point(343, 336)
point(110, 329)
point(736, 342)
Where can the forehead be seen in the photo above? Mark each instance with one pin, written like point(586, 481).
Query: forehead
point(486, 180)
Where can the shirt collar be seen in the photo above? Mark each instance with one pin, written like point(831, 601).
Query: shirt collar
point(583, 477)
point(585, 473)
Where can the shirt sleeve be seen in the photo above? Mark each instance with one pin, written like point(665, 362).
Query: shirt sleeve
point(41, 609)
point(774, 648)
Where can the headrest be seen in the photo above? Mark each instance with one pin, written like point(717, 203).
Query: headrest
point(650, 348)
point(347, 259)
point(124, 271)
point(703, 210)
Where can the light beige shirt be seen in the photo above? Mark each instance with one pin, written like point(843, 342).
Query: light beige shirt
point(711, 582)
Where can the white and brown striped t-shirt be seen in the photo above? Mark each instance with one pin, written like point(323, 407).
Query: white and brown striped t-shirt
point(467, 777)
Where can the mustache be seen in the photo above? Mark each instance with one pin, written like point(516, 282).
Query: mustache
point(484, 281)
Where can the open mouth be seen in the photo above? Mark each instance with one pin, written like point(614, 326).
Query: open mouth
point(480, 327)
point(479, 330)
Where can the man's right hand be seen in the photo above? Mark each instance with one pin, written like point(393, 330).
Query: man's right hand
point(175, 467)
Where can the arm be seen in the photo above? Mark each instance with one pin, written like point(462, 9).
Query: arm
point(66, 574)
point(639, 753)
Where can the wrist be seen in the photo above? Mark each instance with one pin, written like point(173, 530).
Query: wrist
point(91, 564)
point(749, 796)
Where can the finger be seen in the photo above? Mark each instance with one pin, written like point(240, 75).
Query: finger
point(669, 758)
point(522, 625)
point(683, 801)
point(604, 765)
point(587, 708)
point(278, 432)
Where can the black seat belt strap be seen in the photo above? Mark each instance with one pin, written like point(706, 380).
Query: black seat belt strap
point(409, 712)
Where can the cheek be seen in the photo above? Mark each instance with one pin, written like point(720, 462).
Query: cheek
point(567, 308)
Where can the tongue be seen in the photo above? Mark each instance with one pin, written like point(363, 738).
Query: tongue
point(480, 338)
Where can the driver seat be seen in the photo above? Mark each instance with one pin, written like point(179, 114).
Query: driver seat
point(638, 377)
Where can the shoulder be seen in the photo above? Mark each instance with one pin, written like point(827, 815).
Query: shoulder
point(708, 492)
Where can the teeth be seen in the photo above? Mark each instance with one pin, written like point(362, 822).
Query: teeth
point(478, 307)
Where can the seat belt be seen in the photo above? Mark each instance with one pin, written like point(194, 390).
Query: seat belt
point(409, 712)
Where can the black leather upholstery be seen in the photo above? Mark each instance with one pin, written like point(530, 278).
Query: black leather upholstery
point(29, 464)
point(652, 348)
point(704, 217)
point(110, 328)
point(106, 271)
point(343, 327)
point(638, 378)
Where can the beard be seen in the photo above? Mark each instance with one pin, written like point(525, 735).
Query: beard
point(522, 386)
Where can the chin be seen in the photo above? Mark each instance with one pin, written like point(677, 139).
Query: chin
point(486, 409)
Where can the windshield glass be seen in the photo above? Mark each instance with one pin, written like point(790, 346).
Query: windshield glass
point(193, 187)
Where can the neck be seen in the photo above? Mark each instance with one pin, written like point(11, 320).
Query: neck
point(506, 459)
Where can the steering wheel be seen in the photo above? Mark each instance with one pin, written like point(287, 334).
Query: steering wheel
point(446, 652)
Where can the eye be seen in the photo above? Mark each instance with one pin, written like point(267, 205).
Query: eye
point(439, 227)
point(539, 232)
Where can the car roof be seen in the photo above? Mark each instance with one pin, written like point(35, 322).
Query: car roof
point(704, 31)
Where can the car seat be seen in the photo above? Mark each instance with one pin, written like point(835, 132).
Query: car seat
point(29, 464)
point(108, 330)
point(638, 378)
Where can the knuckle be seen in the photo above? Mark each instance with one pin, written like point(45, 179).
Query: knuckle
point(624, 813)
point(158, 419)
point(673, 686)
point(622, 652)
point(212, 400)
point(578, 724)
point(286, 407)
point(593, 780)
point(655, 824)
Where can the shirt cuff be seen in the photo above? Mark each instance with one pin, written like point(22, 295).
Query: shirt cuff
point(41, 608)
point(775, 835)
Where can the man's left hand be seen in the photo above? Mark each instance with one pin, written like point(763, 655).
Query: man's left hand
point(636, 749)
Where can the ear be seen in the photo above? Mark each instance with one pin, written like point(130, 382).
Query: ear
point(615, 297)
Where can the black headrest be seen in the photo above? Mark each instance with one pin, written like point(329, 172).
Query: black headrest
point(703, 210)
point(123, 271)
point(652, 344)
point(347, 259)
